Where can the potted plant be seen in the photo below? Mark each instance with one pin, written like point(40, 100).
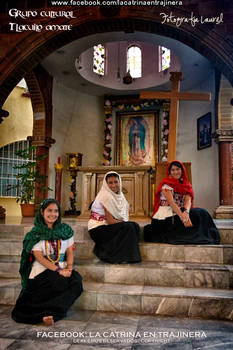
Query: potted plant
point(27, 176)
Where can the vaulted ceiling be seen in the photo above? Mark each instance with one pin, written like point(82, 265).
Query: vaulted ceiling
point(61, 64)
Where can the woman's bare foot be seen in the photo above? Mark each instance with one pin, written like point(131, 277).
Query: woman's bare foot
point(48, 320)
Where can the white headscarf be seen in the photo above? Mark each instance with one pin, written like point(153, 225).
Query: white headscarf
point(115, 203)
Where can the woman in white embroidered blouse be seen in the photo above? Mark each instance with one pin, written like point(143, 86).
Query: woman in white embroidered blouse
point(116, 239)
point(50, 285)
point(174, 219)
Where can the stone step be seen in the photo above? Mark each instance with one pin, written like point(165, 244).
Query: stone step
point(159, 274)
point(208, 254)
point(147, 300)
point(191, 275)
point(81, 232)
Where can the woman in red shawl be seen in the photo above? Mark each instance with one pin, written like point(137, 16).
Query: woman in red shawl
point(174, 220)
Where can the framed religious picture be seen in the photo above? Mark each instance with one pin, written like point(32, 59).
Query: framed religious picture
point(204, 130)
point(137, 139)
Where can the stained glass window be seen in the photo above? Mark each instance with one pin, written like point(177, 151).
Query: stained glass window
point(134, 61)
point(99, 59)
point(164, 58)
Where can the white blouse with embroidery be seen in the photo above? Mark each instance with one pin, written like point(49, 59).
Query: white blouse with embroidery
point(37, 267)
point(98, 209)
point(165, 210)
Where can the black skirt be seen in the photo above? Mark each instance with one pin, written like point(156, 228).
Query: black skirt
point(117, 243)
point(48, 294)
point(172, 230)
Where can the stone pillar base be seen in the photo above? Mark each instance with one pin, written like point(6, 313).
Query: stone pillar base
point(224, 212)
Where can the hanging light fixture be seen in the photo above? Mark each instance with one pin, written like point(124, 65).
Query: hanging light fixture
point(127, 79)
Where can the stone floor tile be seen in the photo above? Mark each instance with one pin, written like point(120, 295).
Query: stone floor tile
point(210, 308)
point(206, 279)
point(116, 318)
point(162, 252)
point(122, 289)
point(91, 273)
point(164, 277)
point(4, 343)
point(124, 274)
point(188, 292)
point(219, 334)
point(228, 255)
point(35, 345)
point(116, 335)
point(87, 301)
point(204, 254)
point(91, 286)
point(81, 315)
point(109, 302)
point(10, 329)
point(150, 304)
point(7, 295)
point(5, 309)
point(131, 303)
point(214, 343)
point(90, 347)
point(9, 282)
point(43, 334)
point(173, 307)
point(163, 347)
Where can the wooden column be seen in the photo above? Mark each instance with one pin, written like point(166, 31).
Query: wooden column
point(225, 139)
point(40, 85)
point(173, 120)
point(225, 173)
point(175, 95)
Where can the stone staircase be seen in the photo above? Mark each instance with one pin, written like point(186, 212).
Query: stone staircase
point(172, 280)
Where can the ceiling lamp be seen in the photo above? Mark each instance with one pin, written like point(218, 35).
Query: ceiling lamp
point(127, 79)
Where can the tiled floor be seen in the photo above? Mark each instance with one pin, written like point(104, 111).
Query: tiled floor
point(96, 330)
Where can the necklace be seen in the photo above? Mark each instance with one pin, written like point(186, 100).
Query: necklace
point(58, 251)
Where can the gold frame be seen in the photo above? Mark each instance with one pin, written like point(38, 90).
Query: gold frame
point(74, 160)
point(119, 142)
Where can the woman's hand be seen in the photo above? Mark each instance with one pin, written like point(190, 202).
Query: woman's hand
point(109, 218)
point(65, 272)
point(186, 219)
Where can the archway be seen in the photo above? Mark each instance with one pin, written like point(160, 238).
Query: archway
point(25, 51)
point(28, 49)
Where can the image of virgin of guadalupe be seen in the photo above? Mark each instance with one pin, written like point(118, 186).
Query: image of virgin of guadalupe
point(137, 135)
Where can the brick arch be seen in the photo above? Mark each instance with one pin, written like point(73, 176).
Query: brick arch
point(28, 49)
point(39, 83)
point(35, 93)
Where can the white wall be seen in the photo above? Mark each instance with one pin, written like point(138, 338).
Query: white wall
point(205, 175)
point(78, 126)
